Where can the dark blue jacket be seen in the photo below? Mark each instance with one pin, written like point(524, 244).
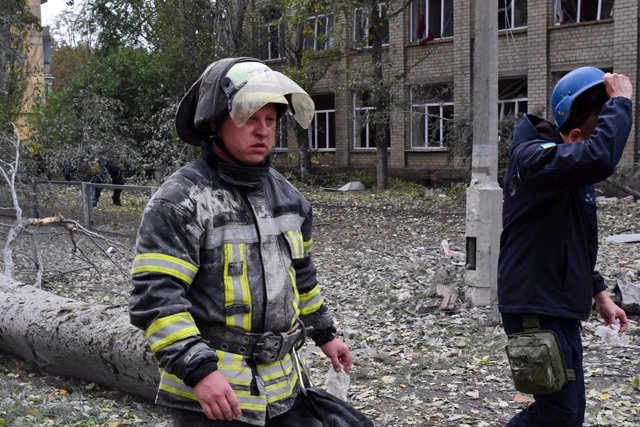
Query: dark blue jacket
point(549, 241)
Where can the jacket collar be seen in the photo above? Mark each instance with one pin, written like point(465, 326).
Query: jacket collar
point(530, 128)
point(238, 175)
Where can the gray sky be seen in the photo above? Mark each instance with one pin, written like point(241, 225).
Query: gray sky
point(52, 8)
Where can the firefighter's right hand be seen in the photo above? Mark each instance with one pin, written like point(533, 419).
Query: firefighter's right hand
point(217, 398)
point(618, 85)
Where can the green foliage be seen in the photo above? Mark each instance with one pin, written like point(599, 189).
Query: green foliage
point(119, 95)
point(116, 107)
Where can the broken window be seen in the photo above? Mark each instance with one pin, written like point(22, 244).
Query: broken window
point(512, 14)
point(361, 25)
point(431, 116)
point(512, 98)
point(322, 132)
point(318, 32)
point(363, 121)
point(574, 11)
point(274, 37)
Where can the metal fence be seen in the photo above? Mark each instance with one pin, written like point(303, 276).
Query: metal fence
point(73, 200)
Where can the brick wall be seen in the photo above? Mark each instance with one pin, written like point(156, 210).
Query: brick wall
point(537, 53)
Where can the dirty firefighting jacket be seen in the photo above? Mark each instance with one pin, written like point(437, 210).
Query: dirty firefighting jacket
point(230, 246)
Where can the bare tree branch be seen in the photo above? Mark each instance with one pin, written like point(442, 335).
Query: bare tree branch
point(9, 172)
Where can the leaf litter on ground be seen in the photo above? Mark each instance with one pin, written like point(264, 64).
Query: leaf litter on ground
point(384, 259)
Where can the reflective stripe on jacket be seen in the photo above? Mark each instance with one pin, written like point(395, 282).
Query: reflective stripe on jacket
point(222, 245)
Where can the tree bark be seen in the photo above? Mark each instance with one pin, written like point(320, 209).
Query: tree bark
point(74, 339)
point(302, 136)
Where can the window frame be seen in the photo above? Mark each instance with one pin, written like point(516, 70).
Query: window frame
point(413, 37)
point(328, 23)
point(362, 12)
point(510, 5)
point(278, 44)
point(427, 145)
point(558, 12)
point(330, 118)
point(359, 110)
point(280, 142)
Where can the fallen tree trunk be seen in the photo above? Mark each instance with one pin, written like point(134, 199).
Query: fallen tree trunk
point(74, 339)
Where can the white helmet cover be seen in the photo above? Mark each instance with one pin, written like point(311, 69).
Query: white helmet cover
point(252, 85)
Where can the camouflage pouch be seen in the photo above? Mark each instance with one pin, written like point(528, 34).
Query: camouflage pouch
point(536, 359)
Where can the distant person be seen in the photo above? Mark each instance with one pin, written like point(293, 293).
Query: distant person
point(107, 171)
point(224, 282)
point(549, 240)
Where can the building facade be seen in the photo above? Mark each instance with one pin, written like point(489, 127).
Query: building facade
point(428, 63)
point(39, 58)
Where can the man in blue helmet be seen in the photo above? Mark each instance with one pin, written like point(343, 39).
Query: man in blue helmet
point(548, 245)
point(224, 282)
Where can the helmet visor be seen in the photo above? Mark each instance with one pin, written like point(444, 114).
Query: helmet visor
point(271, 87)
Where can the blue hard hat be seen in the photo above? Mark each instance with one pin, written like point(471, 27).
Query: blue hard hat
point(569, 87)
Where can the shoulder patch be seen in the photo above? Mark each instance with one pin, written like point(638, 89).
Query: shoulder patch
point(548, 145)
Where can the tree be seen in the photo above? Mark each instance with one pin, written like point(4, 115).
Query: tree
point(18, 180)
point(16, 21)
point(381, 94)
point(65, 337)
point(311, 46)
point(375, 79)
point(136, 59)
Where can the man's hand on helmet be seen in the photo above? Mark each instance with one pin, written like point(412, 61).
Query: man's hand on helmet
point(617, 85)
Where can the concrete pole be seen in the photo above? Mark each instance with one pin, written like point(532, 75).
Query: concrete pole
point(484, 196)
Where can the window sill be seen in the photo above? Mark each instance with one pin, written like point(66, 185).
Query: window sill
point(510, 31)
point(427, 150)
point(443, 40)
point(580, 24)
point(358, 48)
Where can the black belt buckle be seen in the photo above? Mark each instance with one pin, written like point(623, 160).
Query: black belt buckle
point(269, 347)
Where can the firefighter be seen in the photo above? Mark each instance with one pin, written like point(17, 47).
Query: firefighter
point(224, 282)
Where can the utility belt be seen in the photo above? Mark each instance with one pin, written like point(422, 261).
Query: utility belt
point(267, 347)
point(536, 359)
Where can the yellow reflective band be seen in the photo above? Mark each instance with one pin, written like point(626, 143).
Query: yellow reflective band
point(244, 285)
point(168, 330)
point(310, 301)
point(307, 296)
point(164, 264)
point(276, 370)
point(179, 388)
point(236, 288)
point(175, 337)
point(311, 308)
point(308, 247)
point(250, 402)
point(295, 238)
point(163, 322)
point(296, 295)
point(229, 359)
point(234, 368)
point(281, 390)
point(229, 291)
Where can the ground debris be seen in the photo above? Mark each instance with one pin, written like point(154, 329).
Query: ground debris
point(384, 270)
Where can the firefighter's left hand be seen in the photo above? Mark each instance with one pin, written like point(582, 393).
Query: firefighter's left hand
point(339, 354)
